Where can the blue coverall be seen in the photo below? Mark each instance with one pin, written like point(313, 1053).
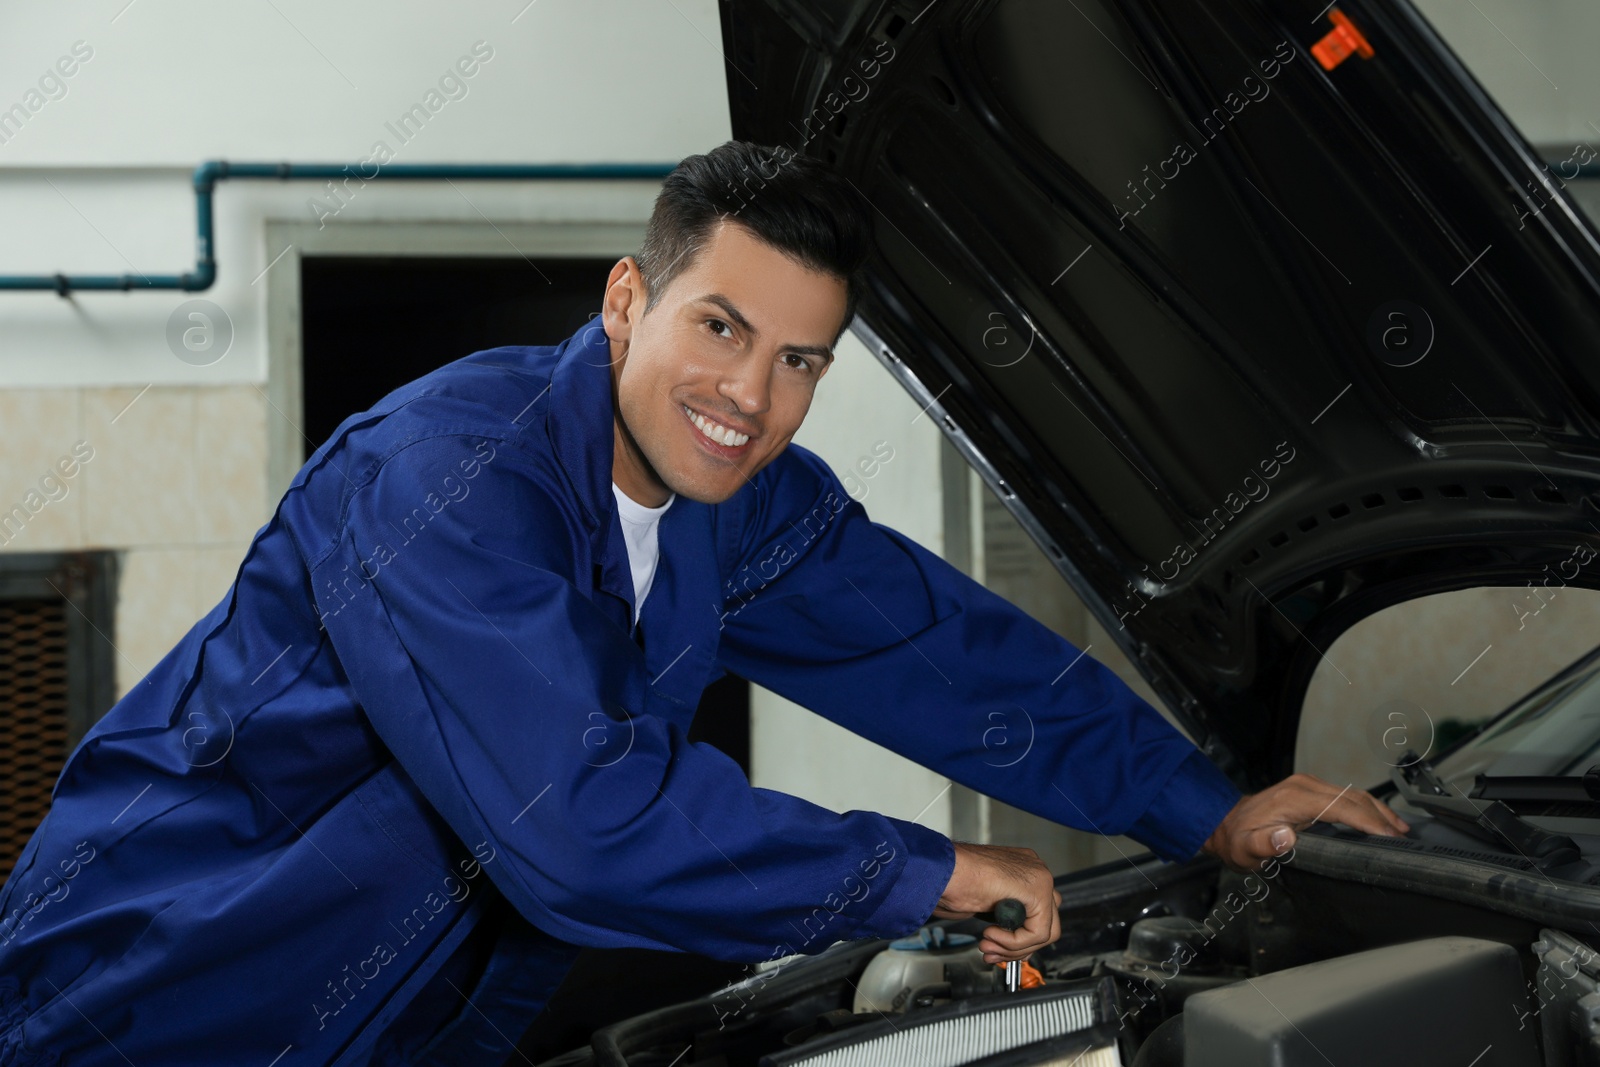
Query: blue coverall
point(417, 753)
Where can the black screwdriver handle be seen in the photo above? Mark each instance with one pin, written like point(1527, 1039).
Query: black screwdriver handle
point(1008, 914)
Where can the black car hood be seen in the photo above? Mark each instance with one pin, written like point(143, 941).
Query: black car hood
point(1253, 347)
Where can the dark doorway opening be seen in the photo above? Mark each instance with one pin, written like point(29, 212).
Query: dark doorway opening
point(374, 323)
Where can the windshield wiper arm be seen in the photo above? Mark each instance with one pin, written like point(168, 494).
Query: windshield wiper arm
point(1489, 820)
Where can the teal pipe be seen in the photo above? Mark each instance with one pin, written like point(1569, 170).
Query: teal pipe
point(207, 174)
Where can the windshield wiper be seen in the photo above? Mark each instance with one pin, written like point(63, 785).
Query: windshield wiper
point(1488, 820)
point(1530, 787)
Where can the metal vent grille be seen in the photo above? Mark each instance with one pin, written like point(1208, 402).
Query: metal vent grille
point(961, 1039)
point(33, 716)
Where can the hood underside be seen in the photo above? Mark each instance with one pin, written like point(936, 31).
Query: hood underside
point(1254, 345)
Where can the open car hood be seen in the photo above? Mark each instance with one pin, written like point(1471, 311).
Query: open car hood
point(1252, 346)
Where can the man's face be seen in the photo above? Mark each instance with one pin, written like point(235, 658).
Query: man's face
point(714, 381)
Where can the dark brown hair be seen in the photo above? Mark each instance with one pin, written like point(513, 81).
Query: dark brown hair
point(793, 203)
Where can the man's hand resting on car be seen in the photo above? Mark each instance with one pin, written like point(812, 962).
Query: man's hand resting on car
point(1263, 825)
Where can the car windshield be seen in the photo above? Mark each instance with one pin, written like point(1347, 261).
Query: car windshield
point(1554, 731)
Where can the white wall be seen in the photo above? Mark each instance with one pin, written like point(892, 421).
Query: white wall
point(174, 82)
point(1536, 59)
point(97, 181)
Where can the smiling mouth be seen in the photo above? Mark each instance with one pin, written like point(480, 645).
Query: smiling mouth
point(715, 432)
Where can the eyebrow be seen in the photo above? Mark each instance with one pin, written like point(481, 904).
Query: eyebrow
point(744, 324)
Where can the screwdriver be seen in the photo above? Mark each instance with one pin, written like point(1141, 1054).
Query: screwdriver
point(1009, 914)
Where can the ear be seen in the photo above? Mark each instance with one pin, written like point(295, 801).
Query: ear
point(624, 300)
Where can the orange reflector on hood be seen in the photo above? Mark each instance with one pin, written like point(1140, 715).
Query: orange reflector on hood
point(1343, 41)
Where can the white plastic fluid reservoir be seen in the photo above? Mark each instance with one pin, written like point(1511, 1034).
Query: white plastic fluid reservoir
point(910, 963)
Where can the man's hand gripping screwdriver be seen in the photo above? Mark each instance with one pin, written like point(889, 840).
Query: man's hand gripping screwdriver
point(1009, 914)
point(1019, 881)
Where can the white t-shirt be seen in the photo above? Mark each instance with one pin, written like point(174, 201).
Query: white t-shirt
point(639, 533)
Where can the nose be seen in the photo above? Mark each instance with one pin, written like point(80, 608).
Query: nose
point(747, 383)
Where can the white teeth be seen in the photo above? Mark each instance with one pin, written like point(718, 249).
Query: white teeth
point(716, 431)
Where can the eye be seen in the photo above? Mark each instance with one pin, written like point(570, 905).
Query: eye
point(801, 362)
point(718, 322)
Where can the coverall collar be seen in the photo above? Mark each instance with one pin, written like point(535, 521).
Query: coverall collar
point(580, 419)
point(682, 616)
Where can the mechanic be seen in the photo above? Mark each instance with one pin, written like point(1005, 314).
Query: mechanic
point(432, 741)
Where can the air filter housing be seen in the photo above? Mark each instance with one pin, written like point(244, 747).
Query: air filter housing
point(1445, 1000)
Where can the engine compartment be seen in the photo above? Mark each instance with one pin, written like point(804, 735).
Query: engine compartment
point(1159, 965)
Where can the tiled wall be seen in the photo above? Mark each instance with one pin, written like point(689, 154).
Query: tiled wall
point(175, 482)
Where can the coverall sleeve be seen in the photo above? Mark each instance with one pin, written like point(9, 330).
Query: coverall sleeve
point(505, 694)
point(866, 627)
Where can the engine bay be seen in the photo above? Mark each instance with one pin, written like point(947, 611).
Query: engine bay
point(1162, 965)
